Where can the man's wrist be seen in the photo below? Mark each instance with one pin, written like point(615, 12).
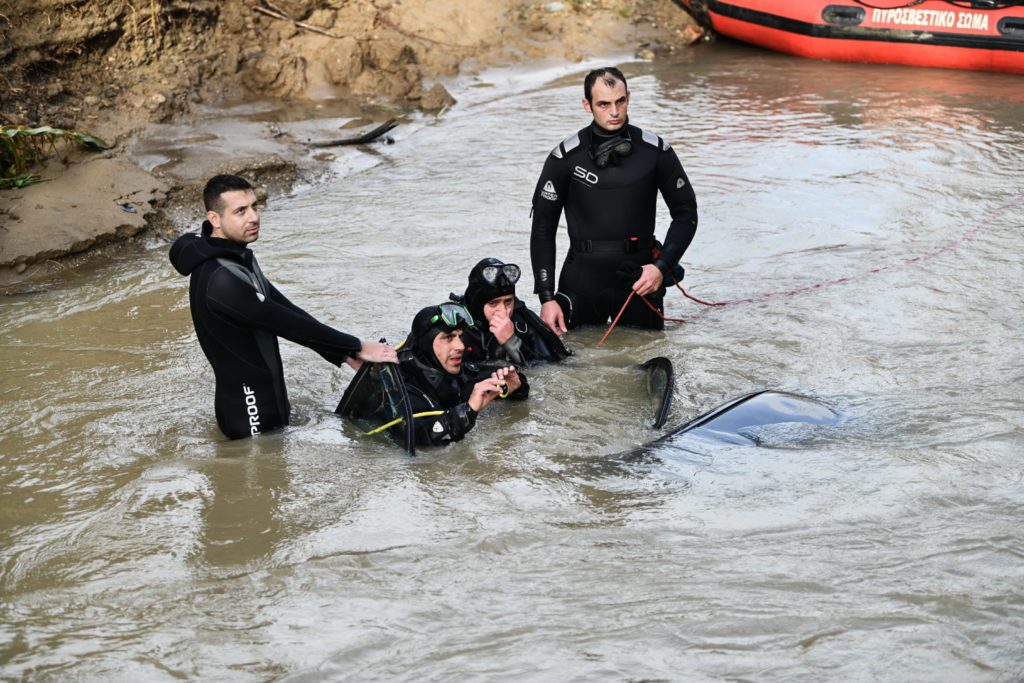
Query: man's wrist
point(546, 296)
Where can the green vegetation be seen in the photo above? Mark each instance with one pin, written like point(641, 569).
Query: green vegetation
point(22, 148)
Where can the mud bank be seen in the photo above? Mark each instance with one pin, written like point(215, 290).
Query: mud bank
point(131, 71)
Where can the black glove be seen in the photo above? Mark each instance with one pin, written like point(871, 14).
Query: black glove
point(629, 272)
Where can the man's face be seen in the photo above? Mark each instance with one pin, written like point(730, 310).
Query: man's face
point(501, 306)
point(239, 217)
point(608, 104)
point(448, 348)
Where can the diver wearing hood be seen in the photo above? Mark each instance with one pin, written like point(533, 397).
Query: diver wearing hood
point(439, 379)
point(238, 314)
point(505, 329)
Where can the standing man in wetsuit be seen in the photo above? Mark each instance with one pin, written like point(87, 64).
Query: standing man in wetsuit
point(238, 314)
point(607, 177)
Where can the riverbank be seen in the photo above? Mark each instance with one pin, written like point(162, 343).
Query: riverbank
point(144, 76)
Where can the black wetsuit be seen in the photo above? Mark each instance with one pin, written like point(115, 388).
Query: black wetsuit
point(610, 213)
point(532, 342)
point(432, 389)
point(238, 316)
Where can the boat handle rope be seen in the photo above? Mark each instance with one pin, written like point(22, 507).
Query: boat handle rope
point(905, 5)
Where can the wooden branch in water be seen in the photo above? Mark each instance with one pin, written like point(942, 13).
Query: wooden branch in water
point(361, 139)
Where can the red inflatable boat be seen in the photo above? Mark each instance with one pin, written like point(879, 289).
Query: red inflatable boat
point(985, 35)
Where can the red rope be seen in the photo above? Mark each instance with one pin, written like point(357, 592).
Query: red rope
point(693, 298)
point(660, 314)
point(615, 322)
point(952, 244)
point(623, 310)
point(948, 246)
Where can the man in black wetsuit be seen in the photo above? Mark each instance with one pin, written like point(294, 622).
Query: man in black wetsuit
point(505, 330)
point(441, 383)
point(238, 314)
point(607, 177)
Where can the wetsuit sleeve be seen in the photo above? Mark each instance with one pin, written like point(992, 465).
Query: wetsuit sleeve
point(278, 297)
point(682, 204)
point(514, 349)
point(439, 430)
point(540, 342)
point(548, 201)
point(230, 297)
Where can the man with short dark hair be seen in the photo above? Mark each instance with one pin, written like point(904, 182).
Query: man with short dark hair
point(607, 177)
point(238, 315)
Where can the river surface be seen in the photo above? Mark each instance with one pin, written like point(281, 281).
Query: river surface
point(137, 544)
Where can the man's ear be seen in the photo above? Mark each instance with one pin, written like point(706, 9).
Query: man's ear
point(214, 218)
point(586, 105)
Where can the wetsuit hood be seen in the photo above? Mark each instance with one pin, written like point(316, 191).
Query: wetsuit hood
point(446, 388)
point(479, 292)
point(421, 359)
point(190, 251)
point(426, 325)
point(422, 336)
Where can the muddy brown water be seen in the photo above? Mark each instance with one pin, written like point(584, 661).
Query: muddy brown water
point(138, 544)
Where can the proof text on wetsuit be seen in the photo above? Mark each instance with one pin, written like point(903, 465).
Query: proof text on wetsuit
point(252, 409)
